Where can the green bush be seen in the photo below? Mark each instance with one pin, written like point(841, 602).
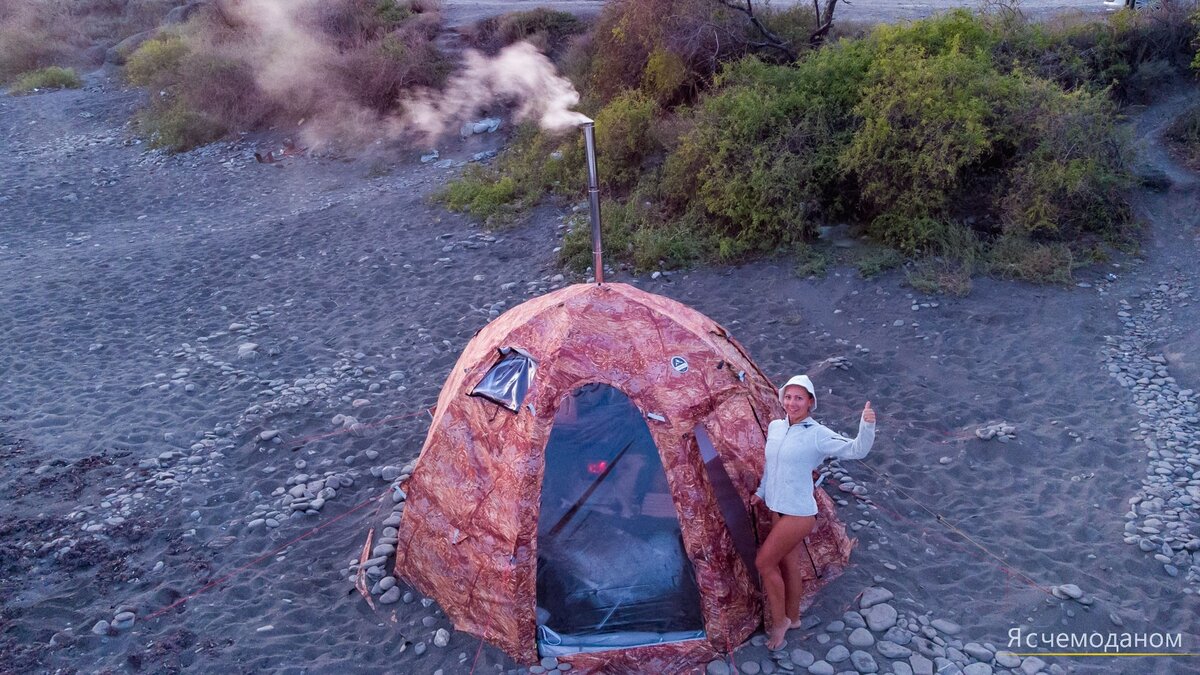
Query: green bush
point(172, 124)
point(623, 138)
point(46, 78)
point(1070, 167)
point(877, 261)
point(810, 262)
point(157, 62)
point(483, 194)
point(761, 160)
point(926, 121)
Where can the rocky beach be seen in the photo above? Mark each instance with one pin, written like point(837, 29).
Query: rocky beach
point(216, 376)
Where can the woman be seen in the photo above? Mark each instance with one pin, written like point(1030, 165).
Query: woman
point(795, 446)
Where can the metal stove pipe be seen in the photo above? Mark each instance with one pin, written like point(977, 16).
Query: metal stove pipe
point(589, 140)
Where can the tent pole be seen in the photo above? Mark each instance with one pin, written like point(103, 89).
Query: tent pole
point(589, 139)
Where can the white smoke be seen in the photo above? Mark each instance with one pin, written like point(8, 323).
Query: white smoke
point(519, 74)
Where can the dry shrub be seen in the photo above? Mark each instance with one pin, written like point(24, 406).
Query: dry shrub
point(40, 33)
point(341, 65)
point(629, 35)
point(548, 30)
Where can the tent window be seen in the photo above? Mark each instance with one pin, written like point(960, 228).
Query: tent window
point(612, 570)
point(509, 380)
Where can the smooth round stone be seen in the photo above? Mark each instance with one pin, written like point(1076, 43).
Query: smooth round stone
point(977, 669)
point(428, 621)
point(880, 617)
point(951, 628)
point(978, 651)
point(873, 596)
point(1008, 659)
point(836, 626)
point(861, 637)
point(853, 619)
point(892, 650)
point(419, 648)
point(901, 668)
point(802, 658)
point(387, 583)
point(101, 627)
point(898, 635)
point(441, 638)
point(717, 667)
point(837, 654)
point(863, 662)
point(820, 668)
point(750, 668)
point(390, 596)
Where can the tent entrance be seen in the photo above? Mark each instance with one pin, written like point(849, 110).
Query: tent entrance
point(612, 571)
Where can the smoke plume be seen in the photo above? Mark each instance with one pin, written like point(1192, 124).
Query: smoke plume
point(519, 74)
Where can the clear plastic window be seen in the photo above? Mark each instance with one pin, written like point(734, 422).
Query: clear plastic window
point(509, 380)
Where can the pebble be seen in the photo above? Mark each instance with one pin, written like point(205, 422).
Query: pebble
point(892, 650)
point(880, 617)
point(863, 662)
point(947, 627)
point(441, 638)
point(750, 667)
point(717, 667)
point(861, 637)
point(802, 658)
point(391, 596)
point(101, 627)
point(873, 596)
point(419, 648)
point(1067, 591)
point(821, 668)
point(837, 654)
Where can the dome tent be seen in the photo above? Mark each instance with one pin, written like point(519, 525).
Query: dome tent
point(584, 488)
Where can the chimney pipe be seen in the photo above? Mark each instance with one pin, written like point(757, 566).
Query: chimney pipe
point(589, 139)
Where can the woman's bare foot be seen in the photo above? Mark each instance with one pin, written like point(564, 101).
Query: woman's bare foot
point(793, 624)
point(775, 637)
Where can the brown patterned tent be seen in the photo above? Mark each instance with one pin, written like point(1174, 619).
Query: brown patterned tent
point(581, 438)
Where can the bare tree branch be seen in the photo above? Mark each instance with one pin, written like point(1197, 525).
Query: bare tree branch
point(824, 22)
point(771, 40)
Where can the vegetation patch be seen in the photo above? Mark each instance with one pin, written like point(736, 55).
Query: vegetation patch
point(52, 77)
point(341, 67)
point(1184, 136)
point(966, 143)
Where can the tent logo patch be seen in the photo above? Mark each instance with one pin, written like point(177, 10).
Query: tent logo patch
point(679, 363)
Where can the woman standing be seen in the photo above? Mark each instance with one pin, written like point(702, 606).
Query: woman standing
point(795, 446)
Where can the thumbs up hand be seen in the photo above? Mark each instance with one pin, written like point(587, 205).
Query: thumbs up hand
point(868, 413)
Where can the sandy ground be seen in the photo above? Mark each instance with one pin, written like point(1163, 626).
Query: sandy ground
point(184, 336)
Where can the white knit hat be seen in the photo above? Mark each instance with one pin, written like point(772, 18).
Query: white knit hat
point(801, 381)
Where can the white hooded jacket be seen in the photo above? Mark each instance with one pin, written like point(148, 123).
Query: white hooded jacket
point(793, 451)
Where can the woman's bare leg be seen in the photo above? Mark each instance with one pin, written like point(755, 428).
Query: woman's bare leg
point(786, 533)
point(793, 581)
